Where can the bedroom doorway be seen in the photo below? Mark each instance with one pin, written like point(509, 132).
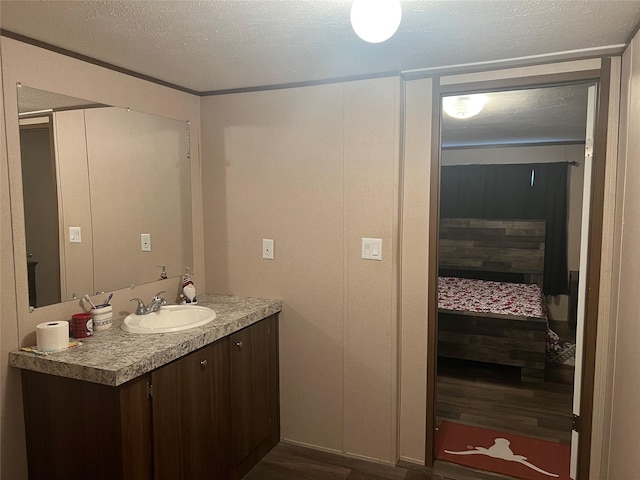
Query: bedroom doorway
point(515, 170)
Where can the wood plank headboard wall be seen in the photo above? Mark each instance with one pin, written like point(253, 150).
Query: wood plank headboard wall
point(508, 246)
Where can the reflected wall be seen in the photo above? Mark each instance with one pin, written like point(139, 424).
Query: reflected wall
point(109, 176)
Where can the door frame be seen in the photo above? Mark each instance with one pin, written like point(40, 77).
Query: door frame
point(602, 78)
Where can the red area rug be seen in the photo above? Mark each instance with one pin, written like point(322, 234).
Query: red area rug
point(500, 452)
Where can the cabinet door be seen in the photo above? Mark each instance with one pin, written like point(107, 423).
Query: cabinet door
point(261, 381)
point(190, 416)
point(242, 395)
point(79, 430)
point(254, 394)
point(273, 336)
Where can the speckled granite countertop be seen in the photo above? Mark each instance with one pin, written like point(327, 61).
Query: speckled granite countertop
point(113, 357)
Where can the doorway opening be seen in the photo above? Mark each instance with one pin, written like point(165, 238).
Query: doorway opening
point(40, 192)
point(514, 218)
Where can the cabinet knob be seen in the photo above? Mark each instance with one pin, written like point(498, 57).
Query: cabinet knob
point(203, 363)
point(239, 344)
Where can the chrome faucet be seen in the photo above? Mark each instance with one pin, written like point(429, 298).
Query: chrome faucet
point(154, 305)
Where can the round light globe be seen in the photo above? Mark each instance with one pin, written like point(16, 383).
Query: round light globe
point(464, 106)
point(375, 21)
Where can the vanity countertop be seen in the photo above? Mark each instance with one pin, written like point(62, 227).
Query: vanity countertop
point(113, 357)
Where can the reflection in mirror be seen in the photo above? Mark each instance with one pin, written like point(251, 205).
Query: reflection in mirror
point(95, 179)
point(41, 209)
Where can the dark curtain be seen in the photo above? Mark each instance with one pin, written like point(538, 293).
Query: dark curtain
point(505, 192)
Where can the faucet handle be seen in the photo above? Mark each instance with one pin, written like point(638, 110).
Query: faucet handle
point(141, 310)
point(157, 295)
point(157, 302)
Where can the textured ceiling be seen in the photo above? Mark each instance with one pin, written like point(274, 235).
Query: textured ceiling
point(529, 116)
point(34, 100)
point(218, 45)
point(208, 46)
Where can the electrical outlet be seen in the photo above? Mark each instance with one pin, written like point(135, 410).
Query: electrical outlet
point(145, 242)
point(267, 248)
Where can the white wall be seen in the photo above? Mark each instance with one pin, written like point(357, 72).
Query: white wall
point(129, 171)
point(315, 169)
point(624, 437)
point(74, 199)
point(9, 400)
point(414, 273)
point(137, 163)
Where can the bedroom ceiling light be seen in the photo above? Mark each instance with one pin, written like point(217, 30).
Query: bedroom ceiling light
point(464, 106)
point(375, 21)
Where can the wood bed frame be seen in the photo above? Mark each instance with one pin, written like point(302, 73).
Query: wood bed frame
point(499, 250)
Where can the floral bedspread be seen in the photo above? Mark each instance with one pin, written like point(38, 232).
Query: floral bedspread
point(482, 296)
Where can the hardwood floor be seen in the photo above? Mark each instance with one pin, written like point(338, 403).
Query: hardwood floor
point(475, 394)
point(292, 462)
point(493, 397)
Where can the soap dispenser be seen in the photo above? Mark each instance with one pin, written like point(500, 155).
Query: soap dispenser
point(188, 295)
point(163, 273)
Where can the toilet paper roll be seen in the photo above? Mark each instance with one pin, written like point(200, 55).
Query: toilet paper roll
point(52, 336)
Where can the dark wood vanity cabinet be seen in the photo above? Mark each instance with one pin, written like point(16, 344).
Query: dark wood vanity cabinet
point(255, 422)
point(211, 414)
point(78, 430)
point(190, 404)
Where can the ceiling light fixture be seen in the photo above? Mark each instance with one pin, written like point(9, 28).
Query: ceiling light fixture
point(375, 21)
point(464, 106)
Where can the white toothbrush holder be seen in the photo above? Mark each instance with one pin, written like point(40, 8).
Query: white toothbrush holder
point(102, 317)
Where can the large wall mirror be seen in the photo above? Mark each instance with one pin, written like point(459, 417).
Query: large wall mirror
point(107, 196)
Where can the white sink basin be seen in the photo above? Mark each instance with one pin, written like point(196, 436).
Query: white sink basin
point(170, 318)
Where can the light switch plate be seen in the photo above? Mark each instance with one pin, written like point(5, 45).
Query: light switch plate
point(372, 249)
point(75, 234)
point(267, 248)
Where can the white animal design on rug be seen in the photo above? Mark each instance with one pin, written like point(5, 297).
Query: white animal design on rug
point(500, 449)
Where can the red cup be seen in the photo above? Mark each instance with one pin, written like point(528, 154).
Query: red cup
point(81, 325)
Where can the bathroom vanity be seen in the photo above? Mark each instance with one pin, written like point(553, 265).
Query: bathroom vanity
point(197, 404)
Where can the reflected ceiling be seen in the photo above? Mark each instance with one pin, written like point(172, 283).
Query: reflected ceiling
point(33, 100)
point(534, 116)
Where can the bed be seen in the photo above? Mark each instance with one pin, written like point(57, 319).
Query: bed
point(490, 302)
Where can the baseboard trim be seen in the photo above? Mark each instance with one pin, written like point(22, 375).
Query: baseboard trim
point(408, 462)
point(336, 452)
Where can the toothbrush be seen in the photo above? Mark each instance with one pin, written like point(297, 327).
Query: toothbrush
point(86, 297)
point(106, 302)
